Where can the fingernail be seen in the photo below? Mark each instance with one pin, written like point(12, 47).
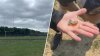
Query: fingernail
point(91, 35)
point(97, 28)
point(79, 40)
point(97, 32)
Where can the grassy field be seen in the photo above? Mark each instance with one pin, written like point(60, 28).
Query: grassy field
point(22, 46)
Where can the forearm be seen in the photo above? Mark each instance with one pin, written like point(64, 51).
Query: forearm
point(56, 17)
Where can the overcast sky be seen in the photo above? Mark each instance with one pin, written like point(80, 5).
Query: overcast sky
point(33, 14)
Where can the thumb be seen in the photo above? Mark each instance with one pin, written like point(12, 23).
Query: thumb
point(81, 11)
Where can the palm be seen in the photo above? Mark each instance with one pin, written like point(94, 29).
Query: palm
point(81, 27)
point(73, 18)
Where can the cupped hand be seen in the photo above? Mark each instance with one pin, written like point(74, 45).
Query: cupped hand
point(81, 27)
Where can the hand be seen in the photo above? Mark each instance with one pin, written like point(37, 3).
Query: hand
point(81, 27)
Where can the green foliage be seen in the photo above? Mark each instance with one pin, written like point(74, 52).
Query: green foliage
point(20, 32)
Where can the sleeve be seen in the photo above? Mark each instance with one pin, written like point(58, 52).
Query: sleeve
point(56, 17)
point(65, 2)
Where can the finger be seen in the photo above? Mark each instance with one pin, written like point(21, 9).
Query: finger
point(80, 31)
point(74, 36)
point(90, 25)
point(88, 29)
point(81, 11)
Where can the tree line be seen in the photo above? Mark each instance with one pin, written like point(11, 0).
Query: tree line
point(7, 31)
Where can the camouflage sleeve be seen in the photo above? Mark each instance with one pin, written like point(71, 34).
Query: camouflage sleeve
point(65, 2)
point(56, 17)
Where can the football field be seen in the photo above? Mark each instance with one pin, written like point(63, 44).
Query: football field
point(22, 46)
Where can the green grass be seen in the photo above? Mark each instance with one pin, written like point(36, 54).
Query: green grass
point(22, 47)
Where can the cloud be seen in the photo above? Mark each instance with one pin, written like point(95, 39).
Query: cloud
point(33, 14)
